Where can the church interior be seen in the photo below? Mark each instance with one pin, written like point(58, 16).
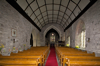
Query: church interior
point(49, 32)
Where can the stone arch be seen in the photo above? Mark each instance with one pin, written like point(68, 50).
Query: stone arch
point(31, 40)
point(79, 28)
point(50, 27)
point(67, 37)
point(53, 28)
point(34, 37)
point(38, 39)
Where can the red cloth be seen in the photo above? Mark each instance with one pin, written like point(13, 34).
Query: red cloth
point(51, 61)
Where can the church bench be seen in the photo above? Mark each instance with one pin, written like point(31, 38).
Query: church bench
point(71, 52)
point(30, 53)
point(83, 63)
point(17, 65)
point(60, 55)
point(38, 58)
point(74, 57)
point(78, 58)
point(20, 57)
point(27, 57)
point(17, 62)
point(68, 49)
point(44, 55)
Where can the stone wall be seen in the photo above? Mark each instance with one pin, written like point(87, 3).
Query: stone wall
point(91, 18)
point(46, 28)
point(10, 19)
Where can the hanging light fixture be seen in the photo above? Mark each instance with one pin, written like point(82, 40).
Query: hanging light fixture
point(52, 34)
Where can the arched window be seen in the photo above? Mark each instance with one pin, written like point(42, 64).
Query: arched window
point(52, 37)
point(83, 36)
point(68, 41)
point(80, 35)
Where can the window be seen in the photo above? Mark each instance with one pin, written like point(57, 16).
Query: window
point(52, 38)
point(83, 36)
point(68, 41)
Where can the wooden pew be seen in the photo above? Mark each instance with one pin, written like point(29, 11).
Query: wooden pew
point(36, 52)
point(79, 58)
point(61, 55)
point(38, 58)
point(83, 63)
point(17, 62)
point(75, 55)
point(44, 55)
point(27, 55)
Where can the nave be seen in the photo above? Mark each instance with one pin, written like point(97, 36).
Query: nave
point(29, 27)
point(46, 56)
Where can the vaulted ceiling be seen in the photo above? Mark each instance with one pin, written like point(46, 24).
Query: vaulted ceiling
point(44, 12)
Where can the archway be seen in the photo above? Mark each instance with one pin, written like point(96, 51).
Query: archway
point(55, 28)
point(31, 40)
point(34, 37)
point(50, 27)
point(80, 35)
point(51, 37)
point(38, 40)
point(67, 35)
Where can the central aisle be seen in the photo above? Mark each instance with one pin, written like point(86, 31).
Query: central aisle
point(52, 61)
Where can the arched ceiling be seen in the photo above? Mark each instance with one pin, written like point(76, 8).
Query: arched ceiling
point(43, 12)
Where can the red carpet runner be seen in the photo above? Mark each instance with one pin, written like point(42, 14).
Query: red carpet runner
point(51, 61)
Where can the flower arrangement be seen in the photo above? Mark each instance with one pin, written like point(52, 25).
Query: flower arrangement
point(19, 48)
point(67, 45)
point(13, 48)
point(24, 45)
point(16, 48)
point(77, 46)
point(2, 46)
point(9, 50)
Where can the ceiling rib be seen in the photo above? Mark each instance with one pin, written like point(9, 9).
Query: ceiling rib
point(59, 10)
point(46, 10)
point(54, 23)
point(33, 12)
point(54, 17)
point(76, 4)
point(48, 14)
point(81, 13)
point(51, 4)
point(51, 14)
point(28, 5)
point(65, 10)
point(21, 11)
point(53, 11)
point(40, 11)
point(73, 10)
